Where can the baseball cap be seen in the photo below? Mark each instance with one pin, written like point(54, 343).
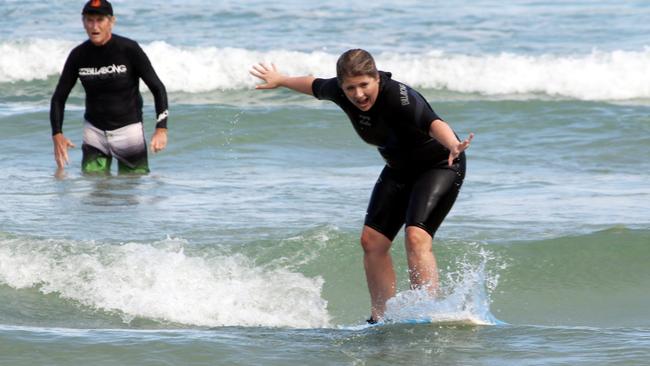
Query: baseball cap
point(101, 7)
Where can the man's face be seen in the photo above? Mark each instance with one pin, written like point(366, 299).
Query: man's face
point(99, 28)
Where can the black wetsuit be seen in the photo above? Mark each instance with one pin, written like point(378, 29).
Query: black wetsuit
point(110, 75)
point(417, 187)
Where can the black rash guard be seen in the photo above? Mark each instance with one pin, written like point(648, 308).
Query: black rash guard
point(398, 123)
point(110, 75)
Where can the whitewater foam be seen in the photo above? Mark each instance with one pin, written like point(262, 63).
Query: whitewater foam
point(160, 281)
point(599, 75)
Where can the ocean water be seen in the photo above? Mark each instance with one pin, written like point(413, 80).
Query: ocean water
point(241, 247)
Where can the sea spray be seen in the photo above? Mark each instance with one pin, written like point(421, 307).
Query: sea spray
point(464, 295)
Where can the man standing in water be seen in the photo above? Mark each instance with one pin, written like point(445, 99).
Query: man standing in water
point(425, 166)
point(110, 68)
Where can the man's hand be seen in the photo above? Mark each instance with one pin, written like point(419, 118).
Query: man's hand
point(61, 146)
point(159, 140)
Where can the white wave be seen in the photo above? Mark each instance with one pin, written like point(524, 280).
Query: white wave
point(32, 59)
point(599, 75)
point(159, 281)
point(617, 75)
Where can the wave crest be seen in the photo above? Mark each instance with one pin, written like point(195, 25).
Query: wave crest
point(615, 75)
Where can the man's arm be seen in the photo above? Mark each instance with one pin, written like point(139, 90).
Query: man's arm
point(67, 80)
point(57, 107)
point(157, 88)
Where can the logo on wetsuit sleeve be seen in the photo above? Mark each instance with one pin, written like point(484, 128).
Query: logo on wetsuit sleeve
point(163, 115)
point(403, 95)
point(103, 71)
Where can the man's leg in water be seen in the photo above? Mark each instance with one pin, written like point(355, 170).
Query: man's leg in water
point(380, 274)
point(141, 168)
point(96, 153)
point(95, 161)
point(129, 147)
